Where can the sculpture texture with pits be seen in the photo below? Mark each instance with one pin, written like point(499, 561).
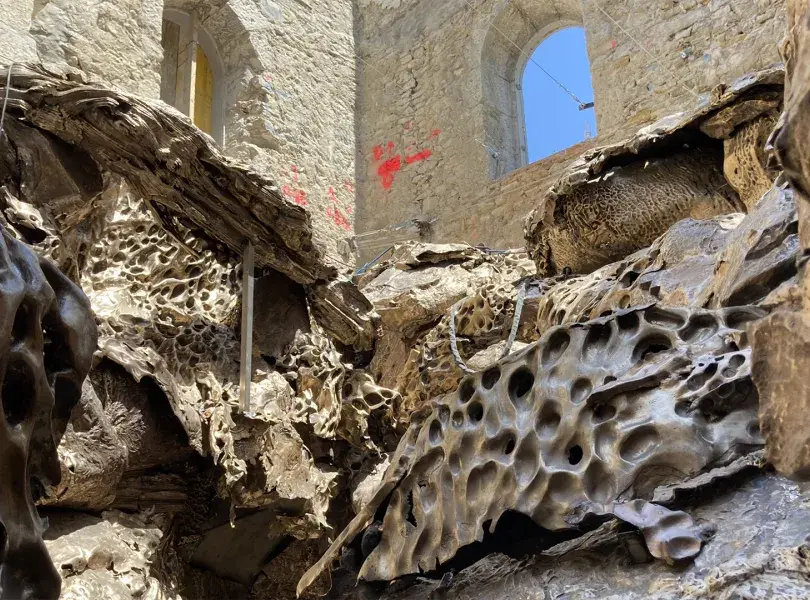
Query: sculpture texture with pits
point(589, 420)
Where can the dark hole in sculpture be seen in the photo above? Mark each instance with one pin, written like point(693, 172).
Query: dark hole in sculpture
point(575, 455)
point(510, 446)
point(19, 330)
point(603, 412)
point(18, 392)
point(57, 353)
point(628, 321)
point(476, 412)
point(651, 345)
point(466, 391)
point(491, 377)
point(31, 235)
point(520, 384)
point(629, 278)
point(410, 517)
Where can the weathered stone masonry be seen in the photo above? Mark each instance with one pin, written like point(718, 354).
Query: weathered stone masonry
point(288, 81)
point(437, 85)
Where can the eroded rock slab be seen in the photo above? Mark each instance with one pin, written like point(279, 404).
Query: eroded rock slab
point(672, 169)
point(592, 413)
point(758, 551)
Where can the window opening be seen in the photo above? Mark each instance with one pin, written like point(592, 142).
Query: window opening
point(551, 121)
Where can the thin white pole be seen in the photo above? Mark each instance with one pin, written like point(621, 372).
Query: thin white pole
point(246, 370)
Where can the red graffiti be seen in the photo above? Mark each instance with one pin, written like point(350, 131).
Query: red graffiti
point(435, 133)
point(348, 185)
point(423, 155)
point(338, 218)
point(613, 44)
point(388, 169)
point(333, 198)
point(394, 163)
point(297, 196)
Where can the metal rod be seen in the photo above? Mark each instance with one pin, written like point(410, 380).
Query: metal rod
point(246, 370)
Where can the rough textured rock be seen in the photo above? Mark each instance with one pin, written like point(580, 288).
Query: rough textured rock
point(108, 557)
point(164, 431)
point(592, 413)
point(672, 168)
point(758, 551)
point(415, 291)
point(141, 209)
point(780, 342)
point(592, 224)
point(725, 261)
point(173, 166)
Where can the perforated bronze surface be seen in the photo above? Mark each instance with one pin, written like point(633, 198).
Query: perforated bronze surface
point(591, 413)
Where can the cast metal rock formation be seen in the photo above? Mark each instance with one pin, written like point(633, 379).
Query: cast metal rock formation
point(46, 349)
point(592, 413)
point(673, 169)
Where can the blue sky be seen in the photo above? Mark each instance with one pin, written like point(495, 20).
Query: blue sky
point(553, 120)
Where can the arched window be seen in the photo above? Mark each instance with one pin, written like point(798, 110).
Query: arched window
point(191, 73)
point(519, 27)
point(552, 119)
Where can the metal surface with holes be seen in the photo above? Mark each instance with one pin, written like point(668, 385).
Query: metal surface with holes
point(592, 413)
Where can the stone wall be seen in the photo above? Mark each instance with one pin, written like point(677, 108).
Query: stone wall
point(286, 88)
point(16, 44)
point(438, 110)
point(693, 45)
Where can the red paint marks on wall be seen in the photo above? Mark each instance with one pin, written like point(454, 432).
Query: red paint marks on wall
point(349, 186)
point(332, 195)
point(297, 196)
point(419, 156)
point(388, 169)
point(393, 163)
point(295, 193)
point(334, 210)
point(613, 44)
point(338, 218)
